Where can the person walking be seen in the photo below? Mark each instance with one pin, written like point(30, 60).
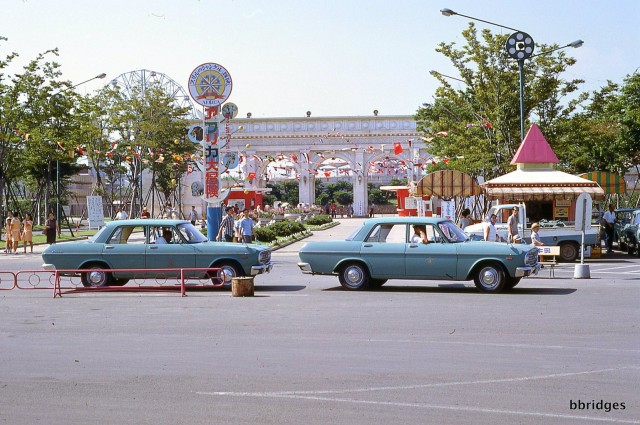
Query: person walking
point(226, 227)
point(193, 215)
point(246, 227)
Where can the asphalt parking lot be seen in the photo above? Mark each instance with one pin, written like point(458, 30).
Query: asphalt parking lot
point(305, 351)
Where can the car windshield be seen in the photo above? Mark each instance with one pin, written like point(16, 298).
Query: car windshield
point(96, 235)
point(354, 233)
point(190, 233)
point(452, 232)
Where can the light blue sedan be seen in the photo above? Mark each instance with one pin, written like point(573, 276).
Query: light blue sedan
point(420, 248)
point(155, 244)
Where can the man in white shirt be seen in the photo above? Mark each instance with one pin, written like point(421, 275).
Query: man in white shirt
point(121, 214)
point(609, 219)
point(490, 233)
point(193, 215)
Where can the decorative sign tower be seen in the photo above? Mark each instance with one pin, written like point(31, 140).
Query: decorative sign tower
point(210, 85)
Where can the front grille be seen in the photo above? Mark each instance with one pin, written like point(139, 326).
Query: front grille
point(532, 258)
point(265, 256)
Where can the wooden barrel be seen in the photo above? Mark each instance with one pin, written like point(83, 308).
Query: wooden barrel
point(242, 286)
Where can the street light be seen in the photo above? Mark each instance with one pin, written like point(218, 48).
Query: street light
point(439, 74)
point(519, 46)
point(59, 93)
point(99, 76)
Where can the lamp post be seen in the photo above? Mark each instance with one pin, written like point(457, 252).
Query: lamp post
point(436, 74)
point(59, 93)
point(519, 46)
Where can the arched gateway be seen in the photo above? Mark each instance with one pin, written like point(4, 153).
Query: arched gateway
point(356, 147)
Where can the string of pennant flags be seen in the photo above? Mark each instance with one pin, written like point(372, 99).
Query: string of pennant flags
point(279, 164)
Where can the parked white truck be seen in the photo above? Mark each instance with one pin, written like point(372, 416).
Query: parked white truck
point(551, 232)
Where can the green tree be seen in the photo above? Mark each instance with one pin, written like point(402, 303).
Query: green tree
point(284, 191)
point(479, 125)
point(151, 132)
point(606, 135)
point(343, 197)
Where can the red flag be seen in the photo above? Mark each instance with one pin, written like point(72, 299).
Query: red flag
point(397, 148)
point(251, 176)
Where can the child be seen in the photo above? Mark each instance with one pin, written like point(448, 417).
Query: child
point(15, 231)
point(27, 232)
point(7, 230)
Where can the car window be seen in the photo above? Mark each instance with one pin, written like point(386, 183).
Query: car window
point(389, 233)
point(452, 232)
point(128, 235)
point(190, 234)
point(432, 234)
point(163, 235)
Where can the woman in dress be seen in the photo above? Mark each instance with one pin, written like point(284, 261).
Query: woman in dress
point(15, 231)
point(27, 232)
point(51, 228)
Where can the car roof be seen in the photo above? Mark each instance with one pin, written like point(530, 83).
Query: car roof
point(409, 220)
point(146, 222)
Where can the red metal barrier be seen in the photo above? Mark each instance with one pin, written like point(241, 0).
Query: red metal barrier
point(7, 281)
point(166, 280)
point(34, 279)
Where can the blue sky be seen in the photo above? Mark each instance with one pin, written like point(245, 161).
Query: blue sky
point(327, 56)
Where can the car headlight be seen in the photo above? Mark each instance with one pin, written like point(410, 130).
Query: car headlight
point(265, 256)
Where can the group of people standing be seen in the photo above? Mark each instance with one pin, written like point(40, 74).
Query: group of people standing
point(17, 230)
point(491, 235)
point(236, 229)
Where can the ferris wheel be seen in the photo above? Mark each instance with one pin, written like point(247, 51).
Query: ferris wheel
point(135, 83)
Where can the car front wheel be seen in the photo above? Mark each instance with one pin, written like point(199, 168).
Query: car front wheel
point(490, 278)
point(223, 276)
point(354, 276)
point(96, 277)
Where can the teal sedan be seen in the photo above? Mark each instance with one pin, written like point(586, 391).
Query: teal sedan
point(155, 244)
point(418, 248)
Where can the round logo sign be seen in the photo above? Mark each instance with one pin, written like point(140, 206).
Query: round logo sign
point(210, 84)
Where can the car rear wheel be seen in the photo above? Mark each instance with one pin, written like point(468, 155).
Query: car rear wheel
point(354, 276)
point(568, 252)
point(96, 277)
point(227, 272)
point(490, 277)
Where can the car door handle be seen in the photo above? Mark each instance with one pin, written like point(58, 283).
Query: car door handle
point(368, 245)
point(153, 247)
point(108, 247)
point(413, 245)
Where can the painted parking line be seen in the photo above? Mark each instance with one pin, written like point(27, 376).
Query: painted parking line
point(323, 395)
point(633, 267)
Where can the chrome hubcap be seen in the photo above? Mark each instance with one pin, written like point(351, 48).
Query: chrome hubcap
point(353, 275)
point(96, 278)
point(489, 277)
